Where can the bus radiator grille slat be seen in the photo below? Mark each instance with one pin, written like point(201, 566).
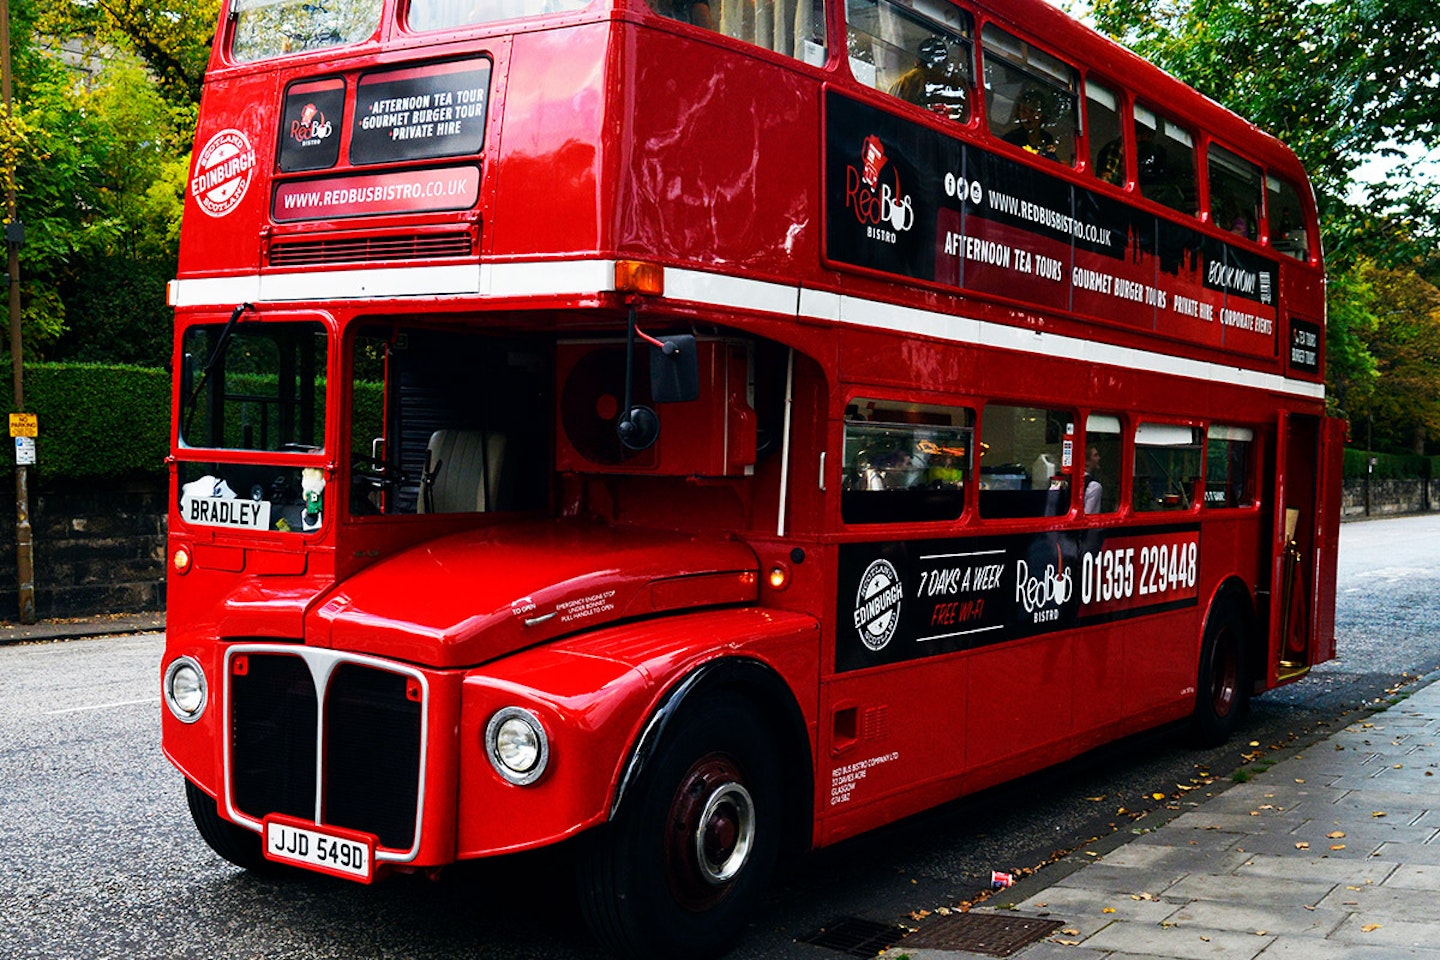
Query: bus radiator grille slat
point(413, 246)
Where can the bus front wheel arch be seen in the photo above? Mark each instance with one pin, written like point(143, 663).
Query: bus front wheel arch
point(690, 852)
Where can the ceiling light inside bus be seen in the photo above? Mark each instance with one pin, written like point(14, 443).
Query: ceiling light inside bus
point(185, 691)
point(517, 746)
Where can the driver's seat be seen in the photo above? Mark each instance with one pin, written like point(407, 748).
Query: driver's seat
point(463, 473)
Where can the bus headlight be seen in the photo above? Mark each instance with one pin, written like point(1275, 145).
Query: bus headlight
point(185, 691)
point(517, 746)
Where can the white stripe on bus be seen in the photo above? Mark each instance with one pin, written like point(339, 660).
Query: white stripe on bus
point(590, 277)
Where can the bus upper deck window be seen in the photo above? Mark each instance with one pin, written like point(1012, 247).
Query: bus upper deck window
point(921, 53)
point(1165, 161)
point(1031, 95)
point(904, 462)
point(795, 28)
point(1287, 219)
point(1107, 137)
point(1234, 193)
point(426, 15)
point(275, 28)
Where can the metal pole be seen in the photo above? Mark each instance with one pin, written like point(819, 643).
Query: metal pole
point(24, 540)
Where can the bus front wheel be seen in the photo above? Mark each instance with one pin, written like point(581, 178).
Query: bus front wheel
point(236, 844)
point(678, 870)
point(1222, 689)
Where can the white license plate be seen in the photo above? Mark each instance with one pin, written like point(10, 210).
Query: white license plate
point(320, 850)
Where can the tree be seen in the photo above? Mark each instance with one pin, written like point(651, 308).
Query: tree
point(1404, 406)
point(172, 37)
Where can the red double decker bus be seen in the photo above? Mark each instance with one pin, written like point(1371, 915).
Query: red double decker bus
point(697, 432)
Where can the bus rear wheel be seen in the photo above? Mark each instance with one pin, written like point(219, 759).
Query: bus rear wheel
point(677, 872)
point(1222, 690)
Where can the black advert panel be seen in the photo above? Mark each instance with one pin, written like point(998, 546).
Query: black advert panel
point(905, 199)
point(419, 113)
point(311, 124)
point(906, 600)
point(1304, 346)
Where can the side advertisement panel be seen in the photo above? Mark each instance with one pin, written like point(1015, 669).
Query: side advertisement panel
point(906, 600)
point(904, 199)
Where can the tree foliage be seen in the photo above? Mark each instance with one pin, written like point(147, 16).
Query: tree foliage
point(1341, 83)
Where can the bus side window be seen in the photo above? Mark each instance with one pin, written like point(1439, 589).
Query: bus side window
point(1023, 472)
point(795, 28)
point(1106, 135)
point(448, 14)
point(1167, 466)
point(1103, 448)
point(1031, 96)
point(1287, 219)
point(1234, 193)
point(921, 53)
point(904, 462)
point(1229, 454)
point(1165, 161)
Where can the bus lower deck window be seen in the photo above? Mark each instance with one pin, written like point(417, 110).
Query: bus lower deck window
point(904, 462)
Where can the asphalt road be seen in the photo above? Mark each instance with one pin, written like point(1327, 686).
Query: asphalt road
point(98, 858)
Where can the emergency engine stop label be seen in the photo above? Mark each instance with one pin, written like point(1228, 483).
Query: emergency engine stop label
point(224, 168)
point(920, 598)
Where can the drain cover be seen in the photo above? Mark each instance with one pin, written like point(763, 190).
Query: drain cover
point(988, 933)
point(855, 937)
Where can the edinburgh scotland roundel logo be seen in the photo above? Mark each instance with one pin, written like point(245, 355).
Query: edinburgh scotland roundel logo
point(877, 604)
point(223, 170)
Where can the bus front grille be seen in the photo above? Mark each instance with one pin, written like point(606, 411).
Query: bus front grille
point(408, 246)
point(360, 769)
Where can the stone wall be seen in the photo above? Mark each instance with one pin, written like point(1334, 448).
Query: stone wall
point(99, 548)
point(1389, 497)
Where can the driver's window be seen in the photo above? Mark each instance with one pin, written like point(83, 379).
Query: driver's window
point(446, 422)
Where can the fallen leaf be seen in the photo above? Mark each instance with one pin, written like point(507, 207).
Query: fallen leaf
point(1157, 796)
point(1095, 799)
point(1335, 835)
point(1261, 933)
point(1206, 939)
point(1299, 780)
point(1067, 943)
point(1108, 910)
point(1378, 813)
point(1070, 932)
point(1370, 927)
point(1254, 743)
point(1302, 845)
point(1337, 846)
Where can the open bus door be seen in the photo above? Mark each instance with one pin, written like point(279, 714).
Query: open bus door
point(1303, 543)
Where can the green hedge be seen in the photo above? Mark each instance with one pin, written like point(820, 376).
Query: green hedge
point(1391, 466)
point(98, 420)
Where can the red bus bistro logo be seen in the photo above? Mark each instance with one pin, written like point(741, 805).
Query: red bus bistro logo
point(877, 605)
point(223, 171)
point(312, 127)
point(886, 210)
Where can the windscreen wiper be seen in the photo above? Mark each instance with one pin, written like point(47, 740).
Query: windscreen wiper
point(214, 359)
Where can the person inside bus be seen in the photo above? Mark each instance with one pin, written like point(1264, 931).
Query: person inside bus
point(936, 83)
point(1110, 164)
point(1030, 132)
point(696, 12)
point(1094, 489)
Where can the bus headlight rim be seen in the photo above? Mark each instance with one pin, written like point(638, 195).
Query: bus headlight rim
point(185, 688)
point(517, 746)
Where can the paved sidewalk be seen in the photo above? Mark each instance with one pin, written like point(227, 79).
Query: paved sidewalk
point(71, 629)
point(1331, 853)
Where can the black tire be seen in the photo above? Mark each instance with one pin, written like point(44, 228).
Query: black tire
point(1222, 688)
point(236, 844)
point(677, 872)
